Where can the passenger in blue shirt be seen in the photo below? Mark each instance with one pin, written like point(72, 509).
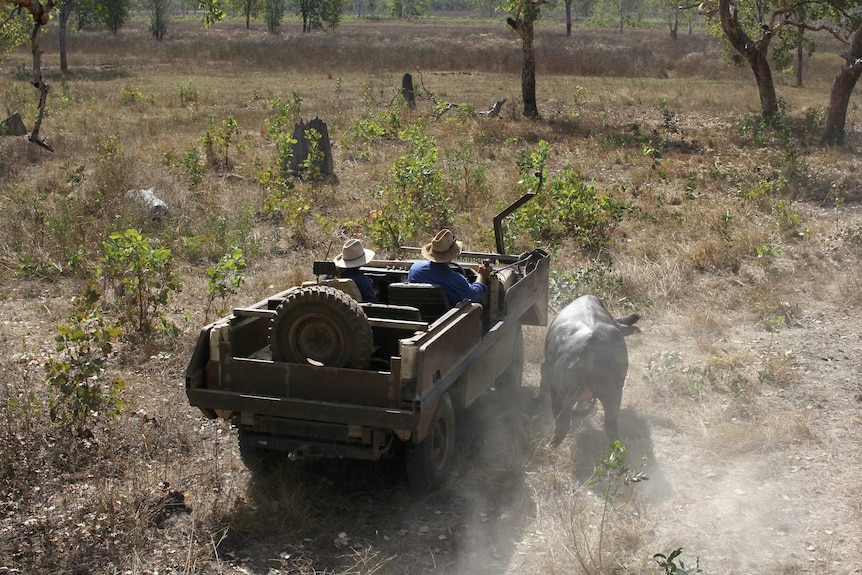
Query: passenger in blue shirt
point(439, 252)
point(352, 256)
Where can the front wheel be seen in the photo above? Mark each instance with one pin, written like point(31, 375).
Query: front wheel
point(430, 460)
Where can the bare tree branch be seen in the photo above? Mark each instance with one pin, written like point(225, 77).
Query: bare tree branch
point(41, 15)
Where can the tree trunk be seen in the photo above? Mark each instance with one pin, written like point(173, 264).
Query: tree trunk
point(528, 73)
point(799, 54)
point(65, 11)
point(842, 88)
point(674, 28)
point(755, 53)
point(568, 18)
point(528, 76)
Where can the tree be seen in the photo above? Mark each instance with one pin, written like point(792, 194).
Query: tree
point(524, 15)
point(14, 29)
point(248, 8)
point(331, 12)
point(842, 87)
point(65, 11)
point(674, 11)
point(568, 18)
point(408, 8)
point(113, 13)
point(625, 9)
point(273, 13)
point(319, 13)
point(159, 12)
point(755, 52)
point(619, 12)
point(310, 13)
point(41, 14)
point(486, 7)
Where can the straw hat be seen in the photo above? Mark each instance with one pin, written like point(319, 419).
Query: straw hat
point(353, 255)
point(443, 249)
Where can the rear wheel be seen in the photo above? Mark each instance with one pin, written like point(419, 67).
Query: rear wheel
point(320, 325)
point(430, 460)
point(256, 458)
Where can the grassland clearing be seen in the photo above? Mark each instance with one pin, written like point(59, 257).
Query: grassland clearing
point(741, 251)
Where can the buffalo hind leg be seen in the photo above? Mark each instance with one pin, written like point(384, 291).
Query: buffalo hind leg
point(611, 406)
point(562, 403)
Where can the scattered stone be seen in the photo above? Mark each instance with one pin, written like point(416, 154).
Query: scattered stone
point(150, 204)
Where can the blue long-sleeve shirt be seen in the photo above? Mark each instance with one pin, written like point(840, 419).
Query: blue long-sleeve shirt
point(454, 284)
point(366, 290)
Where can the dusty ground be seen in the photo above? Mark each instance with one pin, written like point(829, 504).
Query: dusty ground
point(764, 483)
point(761, 479)
point(755, 475)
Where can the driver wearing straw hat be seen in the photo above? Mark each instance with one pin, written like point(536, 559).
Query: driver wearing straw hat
point(440, 252)
point(352, 256)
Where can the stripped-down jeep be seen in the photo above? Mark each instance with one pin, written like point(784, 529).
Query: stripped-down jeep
point(315, 372)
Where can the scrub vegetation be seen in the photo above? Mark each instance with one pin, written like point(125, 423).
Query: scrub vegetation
point(662, 192)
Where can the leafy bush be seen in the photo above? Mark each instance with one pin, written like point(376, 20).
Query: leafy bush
point(224, 279)
point(289, 206)
point(143, 278)
point(219, 234)
point(188, 95)
point(788, 218)
point(77, 373)
point(414, 201)
point(369, 128)
point(194, 165)
point(569, 208)
point(314, 160)
point(217, 141)
point(279, 129)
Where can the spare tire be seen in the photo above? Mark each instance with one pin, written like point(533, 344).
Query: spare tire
point(320, 325)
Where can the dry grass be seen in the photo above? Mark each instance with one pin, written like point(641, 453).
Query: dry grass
point(158, 489)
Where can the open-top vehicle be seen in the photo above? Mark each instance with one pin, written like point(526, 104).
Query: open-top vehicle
point(316, 372)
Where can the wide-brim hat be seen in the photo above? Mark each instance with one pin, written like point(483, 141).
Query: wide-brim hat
point(353, 255)
point(443, 249)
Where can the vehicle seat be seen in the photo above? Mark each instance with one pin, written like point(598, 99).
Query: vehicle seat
point(429, 299)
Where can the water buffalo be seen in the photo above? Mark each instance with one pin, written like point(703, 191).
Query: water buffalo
point(586, 359)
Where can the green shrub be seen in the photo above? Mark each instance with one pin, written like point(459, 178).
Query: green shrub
point(143, 278)
point(77, 373)
point(224, 279)
point(314, 160)
point(364, 131)
point(188, 95)
point(217, 141)
point(668, 563)
point(569, 208)
point(788, 218)
point(414, 200)
point(219, 234)
point(279, 129)
point(194, 166)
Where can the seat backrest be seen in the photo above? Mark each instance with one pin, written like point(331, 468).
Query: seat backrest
point(429, 299)
point(346, 285)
